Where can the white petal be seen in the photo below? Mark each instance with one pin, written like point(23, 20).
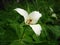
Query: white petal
point(54, 15)
point(51, 9)
point(22, 12)
point(36, 28)
point(35, 15)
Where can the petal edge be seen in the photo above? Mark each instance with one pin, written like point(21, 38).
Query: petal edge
point(35, 15)
point(22, 12)
point(36, 28)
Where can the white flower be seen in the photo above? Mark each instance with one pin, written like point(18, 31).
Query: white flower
point(53, 14)
point(31, 19)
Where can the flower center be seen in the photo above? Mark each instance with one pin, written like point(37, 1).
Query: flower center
point(29, 21)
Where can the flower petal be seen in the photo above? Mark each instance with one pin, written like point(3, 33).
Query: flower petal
point(36, 28)
point(22, 12)
point(35, 15)
point(51, 9)
point(54, 15)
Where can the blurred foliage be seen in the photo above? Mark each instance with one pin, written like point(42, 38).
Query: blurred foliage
point(13, 30)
